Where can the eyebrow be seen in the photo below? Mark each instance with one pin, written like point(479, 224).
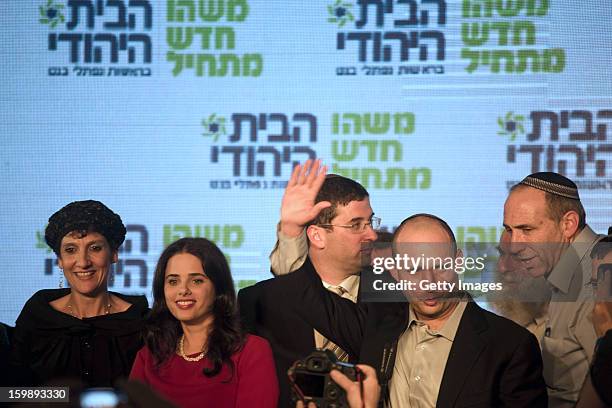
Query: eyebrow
point(191, 274)
point(521, 226)
point(96, 241)
point(361, 218)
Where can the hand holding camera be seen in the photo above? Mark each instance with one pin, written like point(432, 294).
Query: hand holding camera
point(321, 381)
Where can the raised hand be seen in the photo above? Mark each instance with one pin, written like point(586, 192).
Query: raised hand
point(298, 207)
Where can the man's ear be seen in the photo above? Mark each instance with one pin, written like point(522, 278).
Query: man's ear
point(115, 256)
point(569, 224)
point(316, 236)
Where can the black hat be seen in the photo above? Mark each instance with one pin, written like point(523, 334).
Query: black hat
point(90, 216)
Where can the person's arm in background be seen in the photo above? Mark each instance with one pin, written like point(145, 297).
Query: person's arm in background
point(289, 253)
point(19, 356)
point(298, 208)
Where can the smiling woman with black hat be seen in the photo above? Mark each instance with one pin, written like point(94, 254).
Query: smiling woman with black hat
point(83, 332)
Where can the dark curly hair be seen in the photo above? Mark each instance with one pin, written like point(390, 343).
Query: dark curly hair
point(85, 216)
point(162, 329)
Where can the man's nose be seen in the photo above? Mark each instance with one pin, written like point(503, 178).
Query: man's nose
point(370, 234)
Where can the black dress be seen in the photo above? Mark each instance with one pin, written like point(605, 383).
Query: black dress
point(49, 345)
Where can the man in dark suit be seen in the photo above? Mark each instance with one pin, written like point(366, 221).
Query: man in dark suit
point(441, 350)
point(336, 214)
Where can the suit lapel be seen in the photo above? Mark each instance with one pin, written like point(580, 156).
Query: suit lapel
point(464, 353)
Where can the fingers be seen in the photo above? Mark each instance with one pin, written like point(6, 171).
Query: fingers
point(316, 172)
point(304, 171)
point(368, 372)
point(299, 404)
point(294, 176)
point(341, 379)
point(318, 207)
point(310, 173)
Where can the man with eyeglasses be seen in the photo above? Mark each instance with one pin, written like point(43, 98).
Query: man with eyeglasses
point(334, 214)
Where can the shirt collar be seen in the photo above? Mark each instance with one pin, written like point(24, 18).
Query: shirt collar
point(562, 274)
point(350, 284)
point(449, 329)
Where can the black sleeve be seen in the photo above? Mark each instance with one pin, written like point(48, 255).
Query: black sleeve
point(19, 361)
point(247, 306)
point(601, 371)
point(336, 318)
point(522, 384)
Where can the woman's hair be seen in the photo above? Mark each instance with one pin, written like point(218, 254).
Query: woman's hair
point(83, 217)
point(163, 330)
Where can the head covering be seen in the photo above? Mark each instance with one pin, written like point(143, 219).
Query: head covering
point(553, 183)
point(90, 216)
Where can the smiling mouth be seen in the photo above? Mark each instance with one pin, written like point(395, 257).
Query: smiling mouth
point(185, 304)
point(84, 274)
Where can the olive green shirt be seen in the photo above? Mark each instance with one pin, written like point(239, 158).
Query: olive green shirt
point(569, 337)
point(421, 360)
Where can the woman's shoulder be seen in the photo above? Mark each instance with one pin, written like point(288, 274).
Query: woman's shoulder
point(254, 345)
point(38, 306)
point(133, 304)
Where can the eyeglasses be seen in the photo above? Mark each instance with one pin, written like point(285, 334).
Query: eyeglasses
point(357, 227)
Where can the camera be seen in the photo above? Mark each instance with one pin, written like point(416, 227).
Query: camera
point(310, 379)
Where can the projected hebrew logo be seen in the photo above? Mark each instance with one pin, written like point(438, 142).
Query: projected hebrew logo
point(340, 13)
point(262, 147)
point(101, 34)
point(401, 37)
point(511, 125)
point(570, 142)
point(377, 138)
point(51, 14)
point(193, 28)
point(227, 236)
point(214, 126)
point(500, 37)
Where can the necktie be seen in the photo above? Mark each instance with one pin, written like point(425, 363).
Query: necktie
point(328, 344)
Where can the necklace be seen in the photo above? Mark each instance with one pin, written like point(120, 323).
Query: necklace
point(182, 351)
point(107, 309)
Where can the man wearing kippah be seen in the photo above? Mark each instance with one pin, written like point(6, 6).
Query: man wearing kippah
point(546, 223)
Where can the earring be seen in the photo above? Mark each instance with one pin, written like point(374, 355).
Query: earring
point(61, 281)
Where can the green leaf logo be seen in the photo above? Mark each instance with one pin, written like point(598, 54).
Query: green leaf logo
point(511, 125)
point(51, 14)
point(340, 13)
point(214, 126)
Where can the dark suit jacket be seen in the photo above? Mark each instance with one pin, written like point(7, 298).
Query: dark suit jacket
point(269, 309)
point(493, 362)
